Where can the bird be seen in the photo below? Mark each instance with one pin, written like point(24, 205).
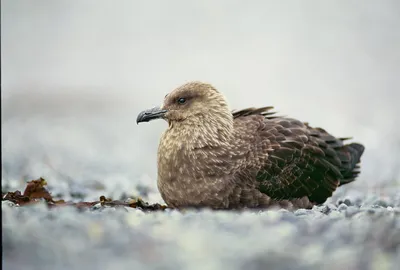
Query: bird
point(213, 157)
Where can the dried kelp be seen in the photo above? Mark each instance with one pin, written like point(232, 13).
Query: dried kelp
point(35, 191)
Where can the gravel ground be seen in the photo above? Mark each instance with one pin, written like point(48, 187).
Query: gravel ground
point(350, 231)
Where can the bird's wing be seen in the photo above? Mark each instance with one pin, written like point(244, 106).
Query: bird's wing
point(265, 111)
point(298, 160)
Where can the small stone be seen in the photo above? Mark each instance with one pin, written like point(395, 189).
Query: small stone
point(347, 202)
point(351, 211)
point(8, 203)
point(342, 207)
point(97, 206)
point(130, 200)
point(332, 206)
point(357, 202)
point(381, 203)
point(302, 212)
point(375, 206)
point(324, 209)
point(335, 214)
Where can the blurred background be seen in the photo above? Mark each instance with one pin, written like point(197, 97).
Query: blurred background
point(75, 74)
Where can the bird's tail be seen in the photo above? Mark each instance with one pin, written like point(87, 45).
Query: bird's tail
point(350, 156)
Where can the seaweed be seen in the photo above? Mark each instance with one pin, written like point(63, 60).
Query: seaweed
point(35, 192)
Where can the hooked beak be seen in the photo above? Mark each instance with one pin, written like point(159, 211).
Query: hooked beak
point(150, 114)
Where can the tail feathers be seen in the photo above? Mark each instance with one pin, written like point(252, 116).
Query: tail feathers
point(351, 168)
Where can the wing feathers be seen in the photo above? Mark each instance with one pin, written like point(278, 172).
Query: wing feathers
point(299, 160)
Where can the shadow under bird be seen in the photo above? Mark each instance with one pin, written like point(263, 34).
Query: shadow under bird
point(212, 157)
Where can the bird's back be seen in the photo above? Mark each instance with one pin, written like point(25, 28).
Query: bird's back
point(294, 160)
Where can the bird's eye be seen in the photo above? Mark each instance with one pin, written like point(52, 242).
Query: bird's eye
point(181, 100)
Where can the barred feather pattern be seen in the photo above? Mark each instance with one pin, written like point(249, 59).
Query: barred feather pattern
point(295, 160)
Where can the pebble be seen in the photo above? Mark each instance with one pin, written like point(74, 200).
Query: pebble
point(342, 207)
point(335, 214)
point(126, 238)
point(351, 211)
point(345, 201)
point(97, 206)
point(381, 203)
point(8, 203)
point(302, 212)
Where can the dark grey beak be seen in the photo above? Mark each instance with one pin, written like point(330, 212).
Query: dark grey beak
point(150, 114)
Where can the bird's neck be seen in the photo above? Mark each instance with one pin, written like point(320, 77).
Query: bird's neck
point(205, 131)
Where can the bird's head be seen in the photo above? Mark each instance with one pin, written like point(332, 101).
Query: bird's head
point(190, 103)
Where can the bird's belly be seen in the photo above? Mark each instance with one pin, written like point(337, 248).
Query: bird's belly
point(181, 192)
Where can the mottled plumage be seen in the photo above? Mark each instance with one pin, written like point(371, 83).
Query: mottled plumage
point(212, 157)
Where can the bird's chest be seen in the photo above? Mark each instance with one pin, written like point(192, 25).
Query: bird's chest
point(184, 181)
point(171, 159)
point(177, 159)
point(177, 182)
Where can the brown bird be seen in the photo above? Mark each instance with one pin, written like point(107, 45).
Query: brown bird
point(212, 157)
